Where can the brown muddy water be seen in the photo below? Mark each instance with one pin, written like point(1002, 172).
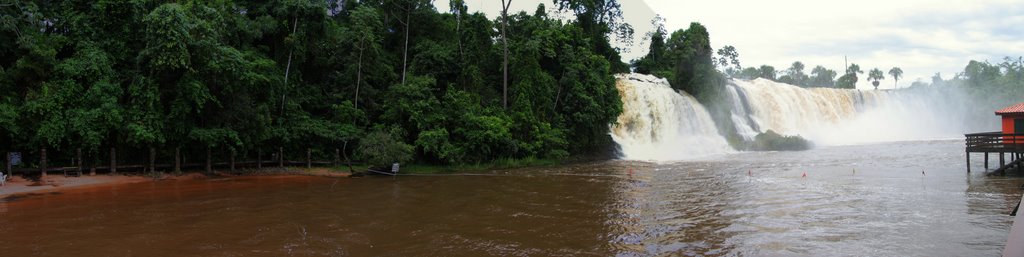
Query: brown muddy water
point(867, 200)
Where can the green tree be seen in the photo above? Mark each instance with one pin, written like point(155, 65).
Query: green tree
point(727, 56)
point(654, 61)
point(896, 74)
point(854, 69)
point(795, 75)
point(383, 147)
point(849, 80)
point(599, 19)
point(366, 26)
point(690, 53)
point(977, 73)
point(822, 77)
point(874, 76)
point(767, 72)
point(749, 73)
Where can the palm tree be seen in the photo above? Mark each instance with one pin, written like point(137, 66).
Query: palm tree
point(875, 75)
point(896, 73)
point(854, 68)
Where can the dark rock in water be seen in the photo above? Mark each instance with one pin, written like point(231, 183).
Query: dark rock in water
point(772, 141)
point(357, 174)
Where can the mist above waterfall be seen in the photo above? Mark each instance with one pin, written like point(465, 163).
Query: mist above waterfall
point(659, 123)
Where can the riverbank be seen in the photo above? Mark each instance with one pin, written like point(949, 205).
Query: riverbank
point(19, 185)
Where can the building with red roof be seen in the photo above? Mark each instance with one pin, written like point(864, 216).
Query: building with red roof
point(1010, 140)
point(1013, 119)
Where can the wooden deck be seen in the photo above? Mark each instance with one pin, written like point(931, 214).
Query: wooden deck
point(999, 143)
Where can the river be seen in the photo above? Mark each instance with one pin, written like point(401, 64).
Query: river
point(886, 199)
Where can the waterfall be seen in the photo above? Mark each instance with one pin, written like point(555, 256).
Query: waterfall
point(658, 123)
point(829, 116)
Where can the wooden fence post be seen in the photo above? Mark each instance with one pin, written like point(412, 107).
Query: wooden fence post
point(280, 157)
point(42, 161)
point(259, 158)
point(209, 161)
point(177, 160)
point(1002, 159)
point(969, 161)
point(986, 161)
point(78, 157)
point(309, 158)
point(232, 160)
point(337, 159)
point(92, 167)
point(7, 162)
point(113, 160)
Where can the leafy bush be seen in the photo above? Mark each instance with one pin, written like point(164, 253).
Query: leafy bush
point(381, 148)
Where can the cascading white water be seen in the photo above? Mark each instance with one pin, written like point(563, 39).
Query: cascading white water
point(658, 123)
point(830, 116)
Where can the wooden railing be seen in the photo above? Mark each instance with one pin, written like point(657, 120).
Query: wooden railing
point(280, 161)
point(995, 142)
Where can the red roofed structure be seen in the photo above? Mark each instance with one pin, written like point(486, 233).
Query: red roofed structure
point(1008, 141)
point(1013, 119)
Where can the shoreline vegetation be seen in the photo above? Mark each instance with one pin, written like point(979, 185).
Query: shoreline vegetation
point(382, 80)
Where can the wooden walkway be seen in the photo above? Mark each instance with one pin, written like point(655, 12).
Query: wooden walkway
point(999, 143)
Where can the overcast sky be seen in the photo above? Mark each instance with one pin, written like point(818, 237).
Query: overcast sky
point(920, 36)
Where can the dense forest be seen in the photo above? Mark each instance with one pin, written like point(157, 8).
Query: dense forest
point(386, 80)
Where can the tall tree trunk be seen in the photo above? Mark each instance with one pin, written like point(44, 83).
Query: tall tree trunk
point(504, 39)
point(359, 76)
point(288, 67)
point(405, 51)
point(458, 33)
point(347, 161)
point(462, 53)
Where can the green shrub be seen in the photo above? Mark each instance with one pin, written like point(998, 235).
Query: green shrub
point(772, 141)
point(381, 148)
